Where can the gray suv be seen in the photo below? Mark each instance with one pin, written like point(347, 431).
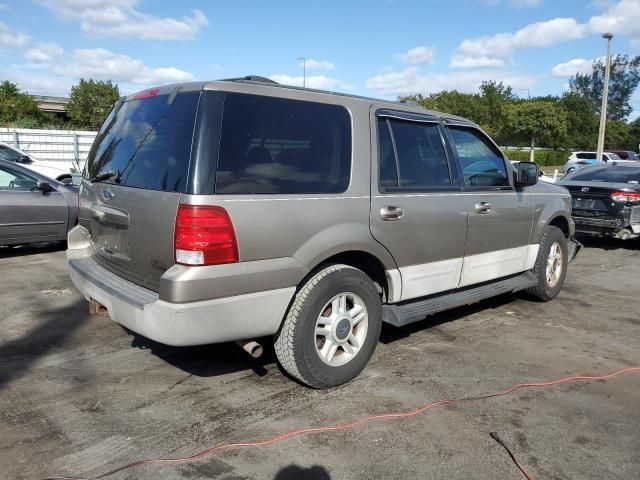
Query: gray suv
point(238, 209)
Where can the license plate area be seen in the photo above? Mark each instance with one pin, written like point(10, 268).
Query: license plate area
point(584, 203)
point(111, 241)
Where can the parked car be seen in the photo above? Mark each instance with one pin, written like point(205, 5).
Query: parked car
point(627, 155)
point(60, 171)
point(579, 160)
point(232, 210)
point(34, 208)
point(606, 199)
point(543, 177)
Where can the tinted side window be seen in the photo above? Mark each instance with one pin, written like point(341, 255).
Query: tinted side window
point(148, 141)
point(275, 145)
point(387, 157)
point(7, 154)
point(482, 165)
point(421, 159)
point(586, 156)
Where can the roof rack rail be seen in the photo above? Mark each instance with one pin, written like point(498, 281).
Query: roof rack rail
point(251, 78)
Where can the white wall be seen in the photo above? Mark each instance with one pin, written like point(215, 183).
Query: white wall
point(53, 145)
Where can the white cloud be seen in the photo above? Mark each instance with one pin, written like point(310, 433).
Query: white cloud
point(12, 39)
point(44, 52)
point(570, 68)
point(319, 82)
point(525, 3)
point(312, 64)
point(418, 55)
point(101, 64)
point(622, 16)
point(463, 61)
point(410, 81)
point(38, 84)
point(635, 43)
point(121, 18)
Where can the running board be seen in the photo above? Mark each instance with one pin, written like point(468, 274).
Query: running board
point(416, 310)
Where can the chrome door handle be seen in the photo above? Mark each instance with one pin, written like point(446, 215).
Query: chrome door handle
point(391, 213)
point(483, 207)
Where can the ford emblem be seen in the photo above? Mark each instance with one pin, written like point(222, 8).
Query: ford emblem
point(583, 189)
point(107, 194)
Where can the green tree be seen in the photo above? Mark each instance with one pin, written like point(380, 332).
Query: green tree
point(90, 101)
point(17, 109)
point(582, 121)
point(625, 77)
point(543, 123)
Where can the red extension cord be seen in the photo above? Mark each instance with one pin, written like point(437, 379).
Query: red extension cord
point(346, 426)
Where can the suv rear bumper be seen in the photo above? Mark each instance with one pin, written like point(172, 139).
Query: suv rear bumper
point(237, 317)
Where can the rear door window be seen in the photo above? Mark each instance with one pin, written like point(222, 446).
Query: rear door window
point(148, 141)
point(273, 145)
point(586, 156)
point(412, 156)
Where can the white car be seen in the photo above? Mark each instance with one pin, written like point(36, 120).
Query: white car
point(578, 160)
point(60, 171)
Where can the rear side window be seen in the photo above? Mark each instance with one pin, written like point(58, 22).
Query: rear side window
point(276, 145)
point(586, 156)
point(8, 154)
point(482, 165)
point(412, 156)
point(148, 142)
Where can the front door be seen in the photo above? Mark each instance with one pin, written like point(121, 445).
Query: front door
point(418, 211)
point(500, 217)
point(28, 214)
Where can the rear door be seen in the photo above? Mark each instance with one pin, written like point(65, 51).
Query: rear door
point(146, 144)
point(417, 209)
point(28, 214)
point(500, 218)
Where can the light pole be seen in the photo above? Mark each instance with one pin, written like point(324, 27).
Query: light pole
point(532, 149)
point(304, 71)
point(605, 98)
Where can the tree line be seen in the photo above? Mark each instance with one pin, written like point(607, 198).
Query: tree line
point(569, 121)
point(89, 103)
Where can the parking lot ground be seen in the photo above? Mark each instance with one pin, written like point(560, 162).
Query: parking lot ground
point(79, 395)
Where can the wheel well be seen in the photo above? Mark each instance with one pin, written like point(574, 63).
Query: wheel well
point(364, 261)
point(561, 223)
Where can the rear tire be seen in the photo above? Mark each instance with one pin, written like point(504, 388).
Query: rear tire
point(331, 329)
point(551, 265)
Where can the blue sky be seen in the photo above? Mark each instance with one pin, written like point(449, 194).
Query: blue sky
point(380, 48)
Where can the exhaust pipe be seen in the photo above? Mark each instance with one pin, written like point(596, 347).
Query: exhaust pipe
point(252, 347)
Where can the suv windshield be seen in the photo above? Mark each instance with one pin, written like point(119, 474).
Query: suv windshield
point(146, 143)
point(617, 174)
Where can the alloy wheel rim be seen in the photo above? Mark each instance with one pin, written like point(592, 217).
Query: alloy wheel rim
point(341, 329)
point(554, 265)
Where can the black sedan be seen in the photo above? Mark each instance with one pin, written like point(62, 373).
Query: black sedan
point(34, 208)
point(606, 199)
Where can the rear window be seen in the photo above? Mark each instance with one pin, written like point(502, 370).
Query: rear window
point(586, 156)
point(617, 174)
point(275, 145)
point(148, 142)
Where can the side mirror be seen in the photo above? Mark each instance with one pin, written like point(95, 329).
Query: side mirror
point(527, 174)
point(25, 159)
point(44, 187)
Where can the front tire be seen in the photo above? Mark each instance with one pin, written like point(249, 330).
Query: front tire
point(551, 265)
point(332, 327)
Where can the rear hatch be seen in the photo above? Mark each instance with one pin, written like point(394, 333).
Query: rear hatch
point(136, 171)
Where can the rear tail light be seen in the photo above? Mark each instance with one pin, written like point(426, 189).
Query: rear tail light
point(626, 197)
point(204, 236)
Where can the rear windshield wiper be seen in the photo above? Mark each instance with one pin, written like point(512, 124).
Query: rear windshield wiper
point(101, 177)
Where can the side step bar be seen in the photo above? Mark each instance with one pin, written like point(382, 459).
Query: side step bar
point(416, 310)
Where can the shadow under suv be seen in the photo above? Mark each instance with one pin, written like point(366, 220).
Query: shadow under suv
point(231, 210)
